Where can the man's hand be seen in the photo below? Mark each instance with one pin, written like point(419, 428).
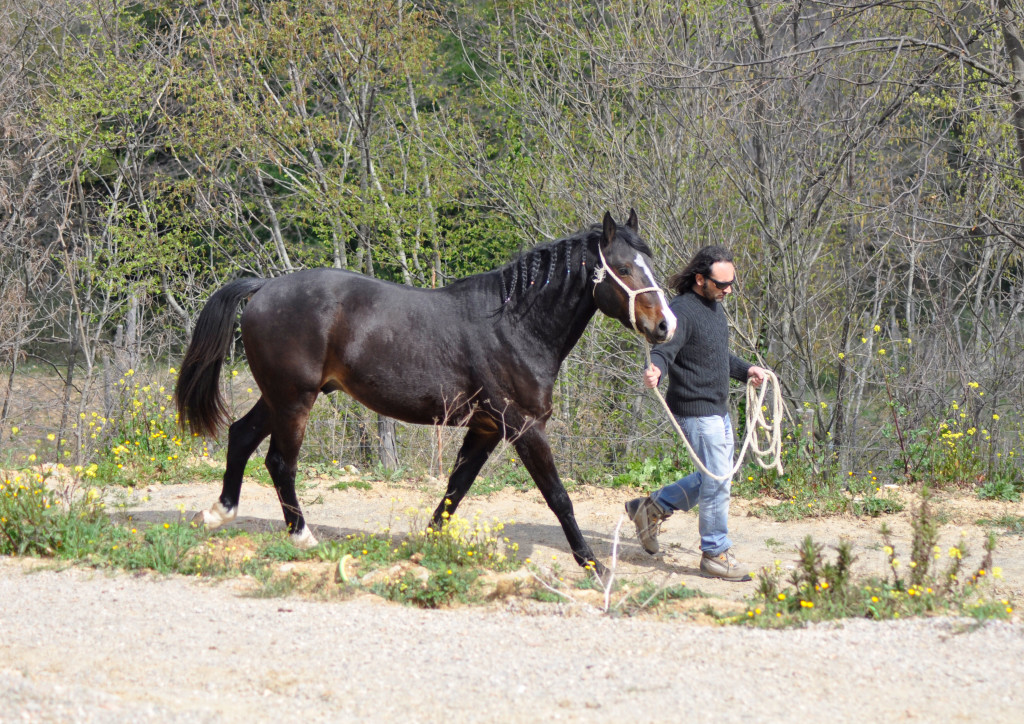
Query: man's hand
point(652, 375)
point(756, 375)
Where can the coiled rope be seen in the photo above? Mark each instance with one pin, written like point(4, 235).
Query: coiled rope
point(769, 456)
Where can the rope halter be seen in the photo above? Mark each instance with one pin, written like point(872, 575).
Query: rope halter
point(605, 270)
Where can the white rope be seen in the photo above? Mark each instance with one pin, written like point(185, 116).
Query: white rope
point(767, 457)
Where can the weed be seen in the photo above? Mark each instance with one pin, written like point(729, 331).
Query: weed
point(388, 475)
point(346, 484)
point(271, 586)
point(1013, 524)
point(441, 588)
point(165, 548)
point(1005, 490)
point(140, 441)
point(650, 596)
point(873, 506)
point(648, 474)
point(35, 521)
point(546, 596)
point(454, 555)
point(819, 589)
point(256, 470)
point(281, 550)
point(509, 475)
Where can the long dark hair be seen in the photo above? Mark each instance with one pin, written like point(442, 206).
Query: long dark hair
point(701, 262)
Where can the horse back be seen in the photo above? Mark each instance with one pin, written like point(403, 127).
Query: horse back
point(419, 355)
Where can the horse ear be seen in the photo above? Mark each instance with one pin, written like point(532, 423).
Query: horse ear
point(609, 229)
point(632, 222)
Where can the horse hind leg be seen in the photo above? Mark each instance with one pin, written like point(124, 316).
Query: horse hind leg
point(476, 448)
point(282, 463)
point(244, 436)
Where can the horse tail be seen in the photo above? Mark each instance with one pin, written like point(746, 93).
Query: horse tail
point(200, 404)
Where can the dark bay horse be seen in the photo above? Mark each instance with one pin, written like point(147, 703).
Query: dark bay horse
point(481, 353)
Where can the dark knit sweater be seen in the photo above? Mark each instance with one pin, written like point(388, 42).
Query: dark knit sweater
point(697, 359)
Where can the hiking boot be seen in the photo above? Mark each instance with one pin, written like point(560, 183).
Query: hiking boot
point(647, 516)
point(724, 566)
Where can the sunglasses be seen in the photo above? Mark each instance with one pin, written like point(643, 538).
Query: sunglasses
point(722, 285)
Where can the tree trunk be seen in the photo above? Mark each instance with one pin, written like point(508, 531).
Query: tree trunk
point(1015, 52)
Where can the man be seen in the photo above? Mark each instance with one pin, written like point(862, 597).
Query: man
point(698, 365)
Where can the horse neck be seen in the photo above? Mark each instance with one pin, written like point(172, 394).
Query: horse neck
point(559, 327)
point(577, 324)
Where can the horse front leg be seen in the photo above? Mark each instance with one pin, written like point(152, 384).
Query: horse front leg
point(477, 446)
point(535, 452)
point(244, 436)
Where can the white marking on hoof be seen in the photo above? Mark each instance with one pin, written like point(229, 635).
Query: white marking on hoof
point(304, 539)
point(216, 516)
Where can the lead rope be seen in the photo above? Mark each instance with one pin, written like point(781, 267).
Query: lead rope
point(756, 420)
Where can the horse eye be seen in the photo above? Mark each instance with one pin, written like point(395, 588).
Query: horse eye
point(623, 271)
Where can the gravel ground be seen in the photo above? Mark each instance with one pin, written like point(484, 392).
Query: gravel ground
point(83, 646)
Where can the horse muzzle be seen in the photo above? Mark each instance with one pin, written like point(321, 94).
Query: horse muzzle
point(656, 323)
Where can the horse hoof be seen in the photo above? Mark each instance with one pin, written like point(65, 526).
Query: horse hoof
point(599, 570)
point(216, 516)
point(304, 539)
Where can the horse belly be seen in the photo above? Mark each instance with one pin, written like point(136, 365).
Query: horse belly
point(402, 397)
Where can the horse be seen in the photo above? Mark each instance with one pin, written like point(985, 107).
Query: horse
point(480, 353)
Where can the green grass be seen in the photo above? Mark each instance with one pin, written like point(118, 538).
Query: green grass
point(1011, 524)
point(508, 476)
point(650, 596)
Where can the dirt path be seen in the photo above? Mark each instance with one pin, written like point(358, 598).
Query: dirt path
point(406, 505)
point(85, 646)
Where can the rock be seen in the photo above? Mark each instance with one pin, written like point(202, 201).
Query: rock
point(501, 585)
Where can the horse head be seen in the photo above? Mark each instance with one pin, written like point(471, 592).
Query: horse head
point(624, 283)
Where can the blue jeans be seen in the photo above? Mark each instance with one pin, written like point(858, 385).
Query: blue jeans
point(711, 439)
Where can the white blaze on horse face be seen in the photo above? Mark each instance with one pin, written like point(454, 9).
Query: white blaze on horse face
point(670, 318)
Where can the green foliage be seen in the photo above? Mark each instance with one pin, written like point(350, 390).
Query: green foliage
point(256, 470)
point(142, 434)
point(440, 589)
point(1006, 490)
point(346, 484)
point(819, 589)
point(951, 451)
point(165, 548)
point(1012, 524)
point(509, 475)
point(34, 521)
point(648, 474)
point(370, 551)
point(278, 549)
point(546, 596)
point(453, 556)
